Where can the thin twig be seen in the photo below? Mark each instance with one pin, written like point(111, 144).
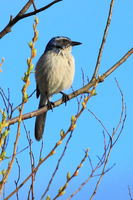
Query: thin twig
point(17, 107)
point(103, 40)
point(24, 100)
point(41, 149)
point(40, 10)
point(34, 6)
point(17, 181)
point(57, 166)
point(70, 177)
point(121, 115)
point(6, 99)
point(116, 65)
point(102, 173)
point(23, 149)
point(129, 192)
point(8, 107)
point(32, 163)
point(10, 164)
point(8, 27)
point(32, 160)
point(99, 120)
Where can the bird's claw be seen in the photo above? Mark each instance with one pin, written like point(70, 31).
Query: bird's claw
point(50, 105)
point(65, 97)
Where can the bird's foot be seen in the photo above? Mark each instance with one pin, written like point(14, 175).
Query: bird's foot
point(65, 97)
point(50, 105)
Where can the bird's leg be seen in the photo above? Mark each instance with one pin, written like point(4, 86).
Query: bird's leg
point(65, 97)
point(50, 105)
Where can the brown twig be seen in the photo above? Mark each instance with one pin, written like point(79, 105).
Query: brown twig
point(102, 173)
point(9, 111)
point(10, 164)
point(26, 80)
point(103, 40)
point(13, 21)
point(21, 103)
point(22, 150)
point(17, 181)
point(121, 115)
point(32, 163)
point(40, 10)
point(21, 15)
point(41, 150)
point(34, 6)
point(32, 160)
point(92, 174)
point(6, 100)
point(106, 147)
point(99, 120)
point(57, 166)
point(70, 177)
point(119, 63)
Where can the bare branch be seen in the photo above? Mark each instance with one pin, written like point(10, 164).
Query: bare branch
point(34, 6)
point(24, 100)
point(40, 10)
point(115, 66)
point(41, 149)
point(57, 166)
point(22, 15)
point(122, 119)
point(70, 177)
point(129, 191)
point(17, 181)
point(7, 29)
point(32, 163)
point(103, 40)
point(96, 117)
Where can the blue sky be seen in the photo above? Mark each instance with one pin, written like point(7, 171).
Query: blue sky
point(82, 21)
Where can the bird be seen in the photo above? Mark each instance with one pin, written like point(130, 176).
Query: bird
point(54, 73)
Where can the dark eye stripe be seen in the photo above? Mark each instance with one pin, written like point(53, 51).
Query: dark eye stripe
point(57, 46)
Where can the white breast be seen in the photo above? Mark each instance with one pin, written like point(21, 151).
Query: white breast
point(55, 71)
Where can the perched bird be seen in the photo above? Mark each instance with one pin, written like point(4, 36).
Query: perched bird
point(54, 73)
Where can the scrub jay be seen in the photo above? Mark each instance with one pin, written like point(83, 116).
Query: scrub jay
point(54, 73)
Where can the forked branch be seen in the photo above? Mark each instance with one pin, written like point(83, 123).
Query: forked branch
point(22, 14)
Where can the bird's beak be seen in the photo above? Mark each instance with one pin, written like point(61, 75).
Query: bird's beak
point(73, 43)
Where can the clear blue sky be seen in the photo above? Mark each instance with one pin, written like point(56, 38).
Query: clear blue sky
point(82, 21)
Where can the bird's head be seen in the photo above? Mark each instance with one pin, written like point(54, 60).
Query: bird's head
point(61, 43)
